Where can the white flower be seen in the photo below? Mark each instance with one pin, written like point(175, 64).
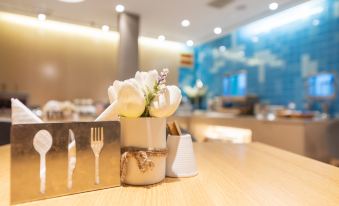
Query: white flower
point(193, 92)
point(147, 80)
point(127, 99)
point(113, 91)
point(145, 95)
point(130, 99)
point(166, 103)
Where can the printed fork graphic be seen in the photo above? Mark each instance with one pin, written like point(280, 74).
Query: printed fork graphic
point(97, 142)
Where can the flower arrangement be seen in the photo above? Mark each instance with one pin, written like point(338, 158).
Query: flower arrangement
point(196, 93)
point(145, 95)
point(143, 138)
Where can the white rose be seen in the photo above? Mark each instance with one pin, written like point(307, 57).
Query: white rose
point(147, 80)
point(166, 103)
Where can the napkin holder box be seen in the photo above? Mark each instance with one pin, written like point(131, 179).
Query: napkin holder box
point(25, 160)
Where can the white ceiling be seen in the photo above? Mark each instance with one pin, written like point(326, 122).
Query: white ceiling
point(157, 16)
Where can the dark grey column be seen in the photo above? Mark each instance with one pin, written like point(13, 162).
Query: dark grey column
point(128, 58)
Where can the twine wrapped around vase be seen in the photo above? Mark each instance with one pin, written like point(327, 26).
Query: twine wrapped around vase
point(142, 156)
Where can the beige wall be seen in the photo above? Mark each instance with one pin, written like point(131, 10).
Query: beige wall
point(50, 64)
point(153, 57)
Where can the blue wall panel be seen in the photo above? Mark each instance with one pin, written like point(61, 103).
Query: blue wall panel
point(286, 55)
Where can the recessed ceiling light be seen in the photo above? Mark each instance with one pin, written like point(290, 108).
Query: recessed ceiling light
point(72, 1)
point(255, 39)
point(185, 23)
point(315, 22)
point(189, 43)
point(273, 6)
point(217, 30)
point(222, 48)
point(120, 8)
point(161, 38)
point(105, 28)
point(41, 17)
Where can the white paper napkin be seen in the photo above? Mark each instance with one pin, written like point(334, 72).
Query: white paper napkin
point(22, 115)
point(110, 113)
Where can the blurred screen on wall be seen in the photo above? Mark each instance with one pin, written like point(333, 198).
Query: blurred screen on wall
point(321, 85)
point(235, 85)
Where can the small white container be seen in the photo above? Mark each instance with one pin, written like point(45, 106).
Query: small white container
point(144, 133)
point(181, 159)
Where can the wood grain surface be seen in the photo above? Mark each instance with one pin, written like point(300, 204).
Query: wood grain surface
point(252, 174)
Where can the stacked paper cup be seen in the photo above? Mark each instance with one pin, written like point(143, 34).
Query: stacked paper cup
point(180, 160)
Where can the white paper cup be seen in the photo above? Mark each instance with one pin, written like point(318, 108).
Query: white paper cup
point(180, 160)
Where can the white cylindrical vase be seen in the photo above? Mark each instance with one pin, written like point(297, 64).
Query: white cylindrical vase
point(181, 159)
point(144, 134)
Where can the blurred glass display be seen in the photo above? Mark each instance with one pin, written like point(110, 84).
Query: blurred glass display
point(196, 94)
point(321, 86)
point(235, 85)
point(77, 110)
point(278, 53)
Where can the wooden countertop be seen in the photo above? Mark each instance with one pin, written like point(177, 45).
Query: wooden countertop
point(223, 116)
point(253, 174)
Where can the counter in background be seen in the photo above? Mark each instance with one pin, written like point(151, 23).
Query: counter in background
point(311, 138)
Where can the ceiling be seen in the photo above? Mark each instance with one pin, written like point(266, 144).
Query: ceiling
point(158, 17)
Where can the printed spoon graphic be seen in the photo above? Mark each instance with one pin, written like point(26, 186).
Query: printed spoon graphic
point(42, 143)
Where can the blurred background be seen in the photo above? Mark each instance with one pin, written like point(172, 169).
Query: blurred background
point(258, 70)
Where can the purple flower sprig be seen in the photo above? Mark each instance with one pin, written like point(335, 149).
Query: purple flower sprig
point(161, 84)
point(162, 77)
point(159, 87)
